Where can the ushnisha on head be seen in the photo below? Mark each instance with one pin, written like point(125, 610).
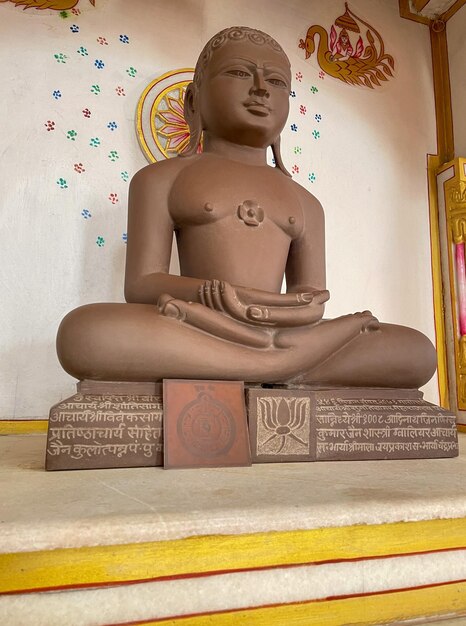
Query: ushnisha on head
point(247, 59)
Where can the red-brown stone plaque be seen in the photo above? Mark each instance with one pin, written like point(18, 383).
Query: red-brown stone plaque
point(205, 424)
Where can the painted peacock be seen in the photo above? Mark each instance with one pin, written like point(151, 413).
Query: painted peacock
point(360, 65)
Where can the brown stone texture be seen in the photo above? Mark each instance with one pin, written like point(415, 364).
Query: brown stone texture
point(119, 428)
point(347, 424)
point(205, 424)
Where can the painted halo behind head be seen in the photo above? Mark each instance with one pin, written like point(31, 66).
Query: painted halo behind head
point(232, 34)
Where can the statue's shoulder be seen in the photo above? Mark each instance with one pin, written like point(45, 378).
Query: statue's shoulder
point(162, 172)
point(310, 205)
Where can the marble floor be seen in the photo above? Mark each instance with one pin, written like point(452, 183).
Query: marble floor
point(41, 510)
point(68, 513)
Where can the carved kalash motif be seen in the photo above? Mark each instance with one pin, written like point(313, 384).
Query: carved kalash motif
point(241, 226)
point(347, 55)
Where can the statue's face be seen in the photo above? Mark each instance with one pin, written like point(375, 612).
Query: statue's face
point(244, 95)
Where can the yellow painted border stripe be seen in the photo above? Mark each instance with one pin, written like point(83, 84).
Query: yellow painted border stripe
point(449, 599)
point(115, 564)
point(22, 427)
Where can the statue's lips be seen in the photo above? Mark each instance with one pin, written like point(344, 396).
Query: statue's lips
point(257, 108)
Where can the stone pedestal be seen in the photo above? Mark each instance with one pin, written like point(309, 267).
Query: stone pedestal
point(289, 425)
point(121, 425)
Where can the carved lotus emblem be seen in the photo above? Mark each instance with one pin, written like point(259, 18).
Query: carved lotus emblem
point(251, 213)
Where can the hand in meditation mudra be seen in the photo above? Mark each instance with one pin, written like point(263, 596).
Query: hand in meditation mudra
point(241, 226)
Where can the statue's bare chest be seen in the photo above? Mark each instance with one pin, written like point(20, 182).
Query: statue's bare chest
point(214, 190)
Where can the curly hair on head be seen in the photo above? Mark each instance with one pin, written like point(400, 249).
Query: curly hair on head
point(234, 33)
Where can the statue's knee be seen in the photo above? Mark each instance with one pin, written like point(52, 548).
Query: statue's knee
point(75, 337)
point(424, 358)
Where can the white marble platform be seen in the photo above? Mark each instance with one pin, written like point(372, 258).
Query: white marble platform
point(45, 510)
point(127, 565)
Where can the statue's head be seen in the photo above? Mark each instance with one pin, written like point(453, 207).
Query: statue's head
point(240, 91)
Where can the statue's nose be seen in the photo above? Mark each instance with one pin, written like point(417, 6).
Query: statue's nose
point(259, 87)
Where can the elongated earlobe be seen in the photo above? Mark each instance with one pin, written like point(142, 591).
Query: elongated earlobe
point(278, 157)
point(192, 115)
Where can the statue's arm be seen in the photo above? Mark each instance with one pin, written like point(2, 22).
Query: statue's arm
point(150, 237)
point(305, 269)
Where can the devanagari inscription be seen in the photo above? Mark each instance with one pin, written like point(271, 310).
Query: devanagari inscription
point(97, 431)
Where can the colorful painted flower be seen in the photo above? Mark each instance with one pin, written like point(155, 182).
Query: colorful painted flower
point(124, 176)
point(71, 134)
point(61, 182)
point(131, 71)
point(312, 177)
point(293, 94)
point(174, 127)
point(74, 28)
point(102, 41)
point(86, 113)
point(293, 127)
point(49, 125)
point(316, 134)
point(297, 150)
point(302, 109)
point(56, 94)
point(100, 241)
point(112, 125)
point(94, 142)
point(295, 169)
point(78, 167)
point(125, 237)
point(321, 75)
point(95, 89)
point(99, 64)
point(86, 214)
point(60, 57)
point(318, 117)
point(63, 14)
point(120, 91)
point(314, 89)
point(113, 155)
point(299, 76)
point(124, 38)
point(113, 197)
point(83, 51)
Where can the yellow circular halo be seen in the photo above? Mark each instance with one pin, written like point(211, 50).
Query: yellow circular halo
point(160, 125)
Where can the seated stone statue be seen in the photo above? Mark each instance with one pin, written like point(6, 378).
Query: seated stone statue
point(241, 226)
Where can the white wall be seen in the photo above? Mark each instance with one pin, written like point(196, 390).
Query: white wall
point(369, 163)
point(456, 33)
